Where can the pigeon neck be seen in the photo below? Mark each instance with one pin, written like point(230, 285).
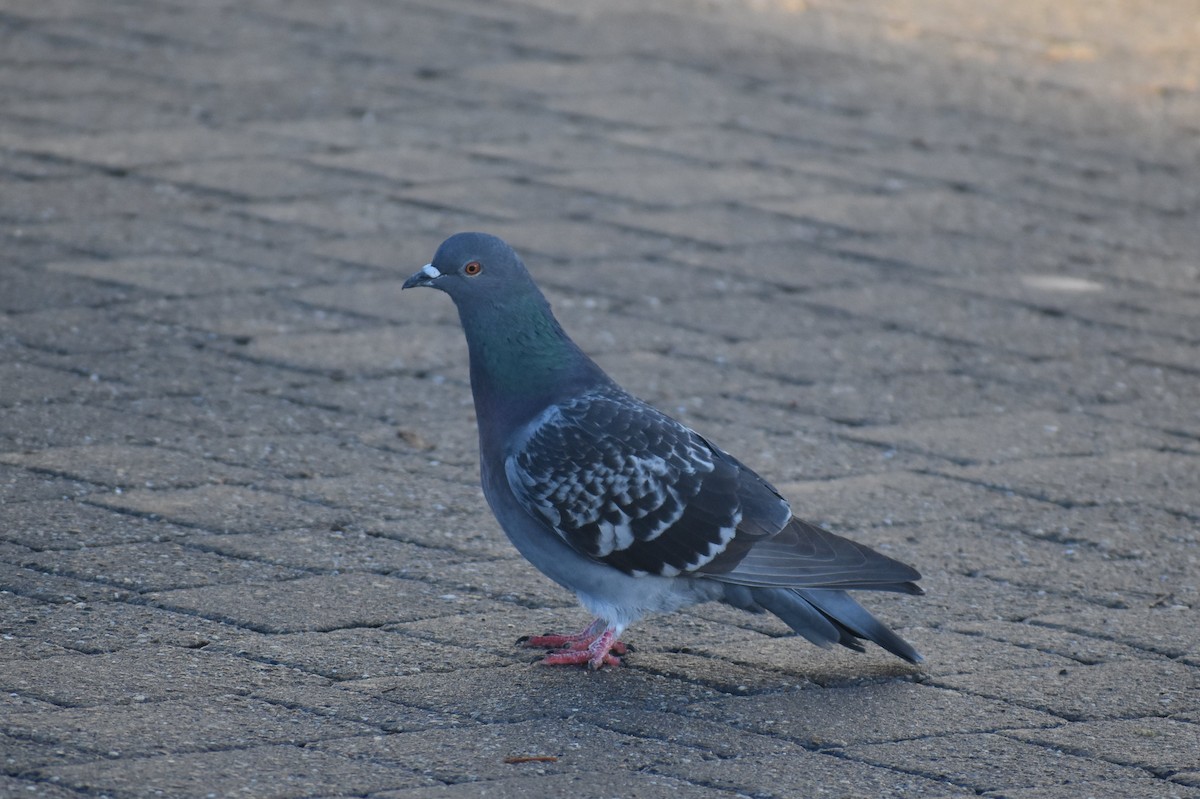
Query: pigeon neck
point(520, 353)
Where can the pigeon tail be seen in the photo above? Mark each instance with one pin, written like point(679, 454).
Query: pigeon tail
point(824, 617)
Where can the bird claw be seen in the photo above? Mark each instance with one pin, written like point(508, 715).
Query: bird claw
point(595, 646)
point(580, 657)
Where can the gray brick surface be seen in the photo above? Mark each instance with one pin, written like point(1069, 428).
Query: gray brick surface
point(929, 266)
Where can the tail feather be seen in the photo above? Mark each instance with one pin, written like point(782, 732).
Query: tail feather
point(843, 610)
point(800, 615)
point(826, 617)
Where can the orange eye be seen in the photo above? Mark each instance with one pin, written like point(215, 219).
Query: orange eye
point(472, 268)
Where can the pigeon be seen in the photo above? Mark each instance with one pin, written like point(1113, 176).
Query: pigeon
point(619, 503)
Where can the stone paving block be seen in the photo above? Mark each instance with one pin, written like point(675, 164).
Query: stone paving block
point(1081, 297)
point(444, 515)
point(641, 785)
point(946, 652)
point(120, 466)
point(221, 404)
point(629, 108)
point(52, 588)
point(615, 337)
point(328, 550)
point(987, 762)
point(16, 786)
point(169, 145)
point(703, 395)
point(1047, 562)
point(966, 598)
point(139, 675)
point(746, 676)
point(1126, 531)
point(268, 771)
point(21, 756)
point(743, 317)
point(719, 227)
point(28, 290)
point(1171, 413)
point(992, 324)
point(363, 654)
point(369, 352)
point(395, 399)
point(220, 508)
point(822, 355)
point(1020, 436)
point(27, 382)
point(479, 753)
point(792, 775)
point(677, 185)
point(35, 492)
point(377, 497)
point(359, 213)
point(206, 389)
point(505, 579)
point(504, 199)
point(867, 713)
point(106, 626)
point(241, 317)
point(1166, 480)
point(172, 275)
point(1160, 746)
point(1084, 649)
point(356, 706)
point(319, 603)
point(1162, 628)
point(528, 692)
point(122, 236)
point(18, 647)
point(914, 208)
point(1120, 689)
point(34, 426)
point(1120, 788)
point(380, 298)
point(902, 398)
point(378, 251)
point(189, 725)
point(414, 165)
point(154, 566)
point(899, 498)
point(619, 252)
point(259, 178)
point(89, 196)
point(1171, 355)
point(85, 331)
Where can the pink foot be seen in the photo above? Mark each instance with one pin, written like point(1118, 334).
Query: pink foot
point(595, 646)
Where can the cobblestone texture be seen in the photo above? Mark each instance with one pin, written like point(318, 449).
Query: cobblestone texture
point(931, 267)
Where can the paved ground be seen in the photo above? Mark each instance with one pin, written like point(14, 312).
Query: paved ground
point(932, 269)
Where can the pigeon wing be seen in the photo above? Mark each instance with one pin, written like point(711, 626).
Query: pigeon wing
point(627, 485)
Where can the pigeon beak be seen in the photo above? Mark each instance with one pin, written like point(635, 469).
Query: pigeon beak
point(424, 277)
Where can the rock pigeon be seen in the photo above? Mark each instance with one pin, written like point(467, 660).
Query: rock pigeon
point(619, 503)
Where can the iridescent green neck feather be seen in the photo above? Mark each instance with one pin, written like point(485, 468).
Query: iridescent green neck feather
point(519, 350)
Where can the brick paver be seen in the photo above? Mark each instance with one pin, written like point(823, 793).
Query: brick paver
point(930, 266)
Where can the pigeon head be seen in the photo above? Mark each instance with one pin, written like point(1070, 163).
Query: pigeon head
point(520, 355)
point(476, 269)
